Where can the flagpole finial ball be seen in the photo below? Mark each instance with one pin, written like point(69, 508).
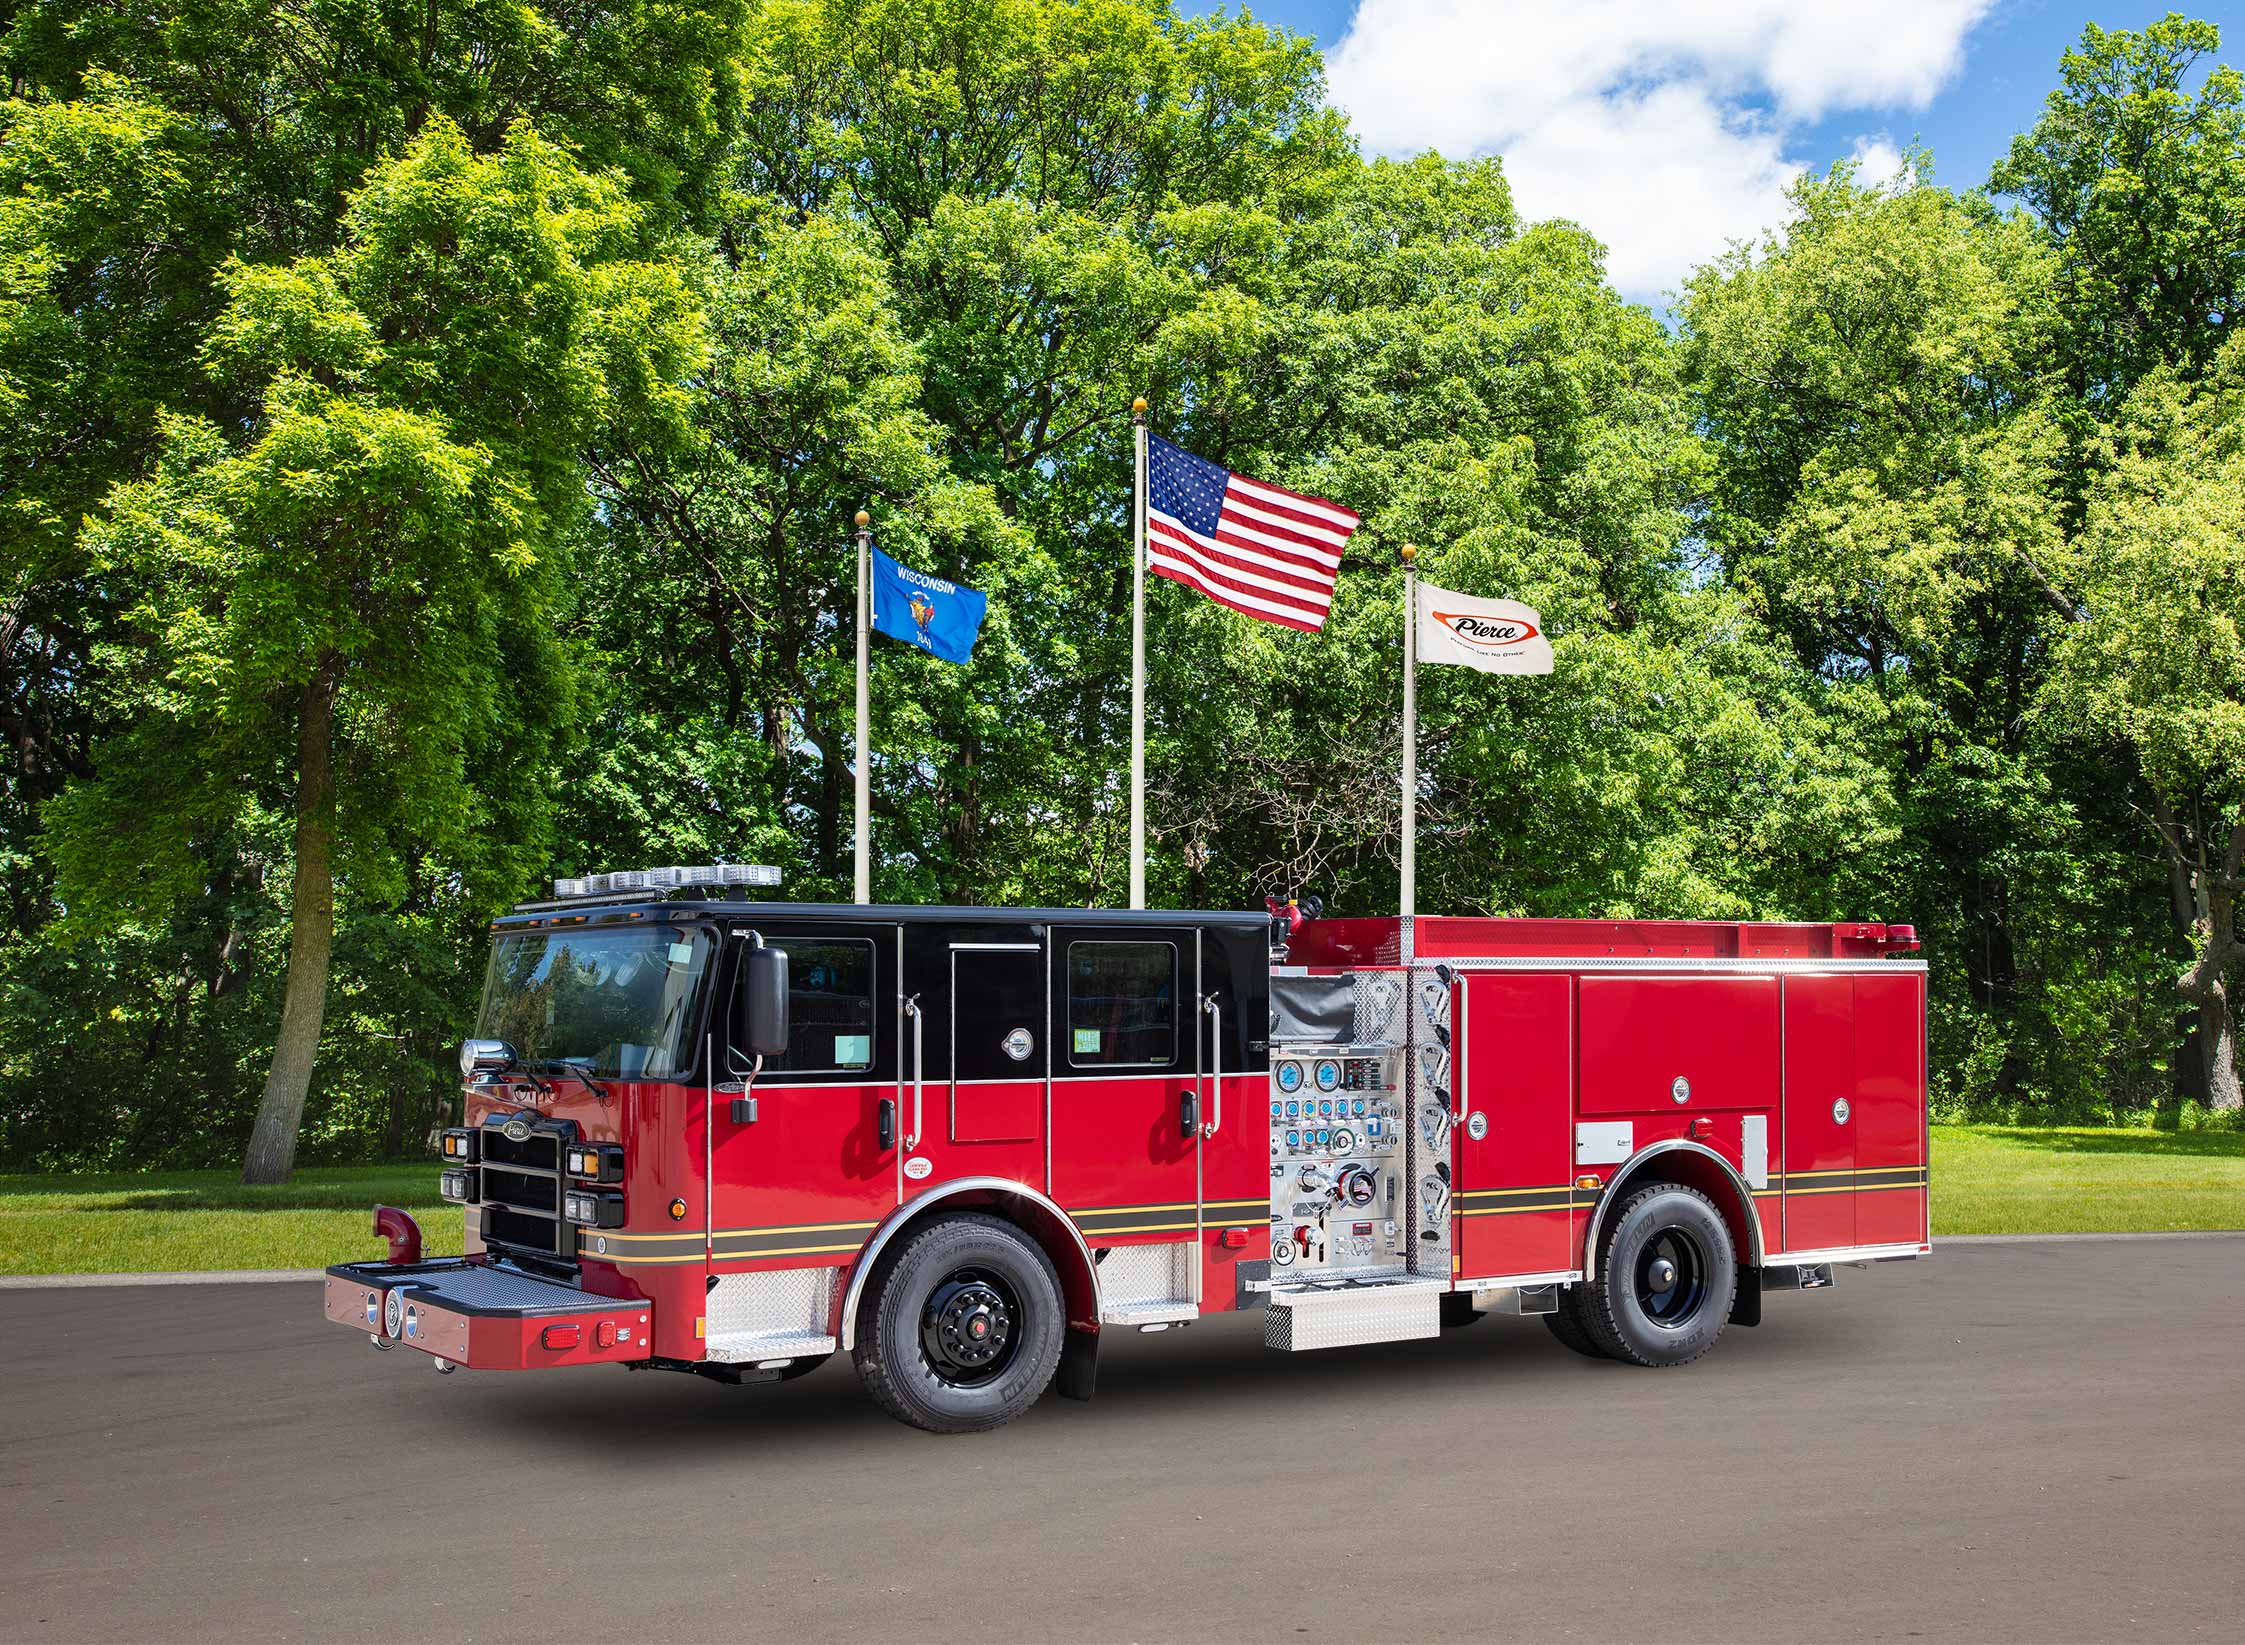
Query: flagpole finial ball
point(1138, 406)
point(863, 519)
point(1409, 551)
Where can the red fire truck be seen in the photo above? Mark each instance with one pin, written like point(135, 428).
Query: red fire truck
point(731, 1137)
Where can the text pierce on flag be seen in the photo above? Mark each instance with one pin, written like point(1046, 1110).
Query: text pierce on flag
point(1495, 636)
point(941, 618)
point(1264, 551)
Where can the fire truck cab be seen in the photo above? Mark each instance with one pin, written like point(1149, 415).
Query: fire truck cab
point(732, 1137)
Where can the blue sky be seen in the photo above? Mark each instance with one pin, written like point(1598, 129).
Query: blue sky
point(1670, 127)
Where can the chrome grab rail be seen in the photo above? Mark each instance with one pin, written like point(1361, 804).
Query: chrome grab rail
point(1216, 1061)
point(912, 1010)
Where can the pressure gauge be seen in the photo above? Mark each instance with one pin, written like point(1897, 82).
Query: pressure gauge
point(1328, 1075)
point(1289, 1077)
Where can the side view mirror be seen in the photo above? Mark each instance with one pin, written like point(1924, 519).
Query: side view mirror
point(760, 1003)
point(485, 1057)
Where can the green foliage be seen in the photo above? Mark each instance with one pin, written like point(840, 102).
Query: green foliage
point(517, 373)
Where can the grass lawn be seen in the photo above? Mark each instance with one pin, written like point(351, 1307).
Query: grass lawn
point(1986, 1180)
point(1995, 1179)
point(207, 1219)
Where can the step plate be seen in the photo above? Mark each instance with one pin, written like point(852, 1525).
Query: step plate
point(1301, 1317)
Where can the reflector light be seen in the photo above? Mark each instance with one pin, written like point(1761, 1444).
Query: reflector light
point(667, 879)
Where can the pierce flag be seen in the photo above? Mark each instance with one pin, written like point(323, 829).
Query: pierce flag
point(1495, 636)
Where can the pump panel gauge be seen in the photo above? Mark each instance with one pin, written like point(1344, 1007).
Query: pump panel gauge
point(1289, 1076)
point(1328, 1075)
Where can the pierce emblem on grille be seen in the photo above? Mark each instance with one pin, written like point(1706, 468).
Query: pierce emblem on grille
point(518, 1129)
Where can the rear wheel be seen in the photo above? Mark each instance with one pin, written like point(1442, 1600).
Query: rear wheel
point(961, 1328)
point(1569, 1325)
point(1666, 1277)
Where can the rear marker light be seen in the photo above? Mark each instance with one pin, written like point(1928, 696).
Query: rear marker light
point(558, 1336)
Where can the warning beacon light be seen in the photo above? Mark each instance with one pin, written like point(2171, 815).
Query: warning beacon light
point(667, 879)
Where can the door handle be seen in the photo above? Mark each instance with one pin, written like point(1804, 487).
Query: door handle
point(887, 1124)
point(1188, 1107)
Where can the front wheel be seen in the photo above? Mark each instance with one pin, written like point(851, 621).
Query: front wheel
point(1665, 1280)
point(962, 1327)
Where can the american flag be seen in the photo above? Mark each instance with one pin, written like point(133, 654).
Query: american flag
point(1260, 549)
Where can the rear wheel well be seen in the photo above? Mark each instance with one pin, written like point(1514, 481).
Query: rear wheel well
point(1707, 1173)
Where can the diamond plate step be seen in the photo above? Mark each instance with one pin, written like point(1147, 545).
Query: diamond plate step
point(747, 1347)
point(1345, 1314)
point(1163, 1312)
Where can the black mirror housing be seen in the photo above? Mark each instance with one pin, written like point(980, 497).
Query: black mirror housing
point(760, 1003)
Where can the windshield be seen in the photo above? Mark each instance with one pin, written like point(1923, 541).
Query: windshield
point(619, 1001)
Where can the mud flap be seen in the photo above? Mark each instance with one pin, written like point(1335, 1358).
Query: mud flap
point(1079, 1365)
point(1746, 1306)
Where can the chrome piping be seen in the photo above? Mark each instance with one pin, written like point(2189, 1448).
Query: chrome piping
point(896, 1221)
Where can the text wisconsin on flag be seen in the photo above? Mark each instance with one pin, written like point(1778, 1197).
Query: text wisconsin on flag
point(1260, 549)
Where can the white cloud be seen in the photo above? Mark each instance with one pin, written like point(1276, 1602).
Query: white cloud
point(1877, 161)
point(1660, 125)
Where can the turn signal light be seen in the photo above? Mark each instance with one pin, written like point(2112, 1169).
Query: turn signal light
point(459, 1146)
point(558, 1336)
point(1590, 1182)
point(597, 1162)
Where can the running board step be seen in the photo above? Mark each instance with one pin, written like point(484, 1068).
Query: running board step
point(1346, 1313)
point(755, 1347)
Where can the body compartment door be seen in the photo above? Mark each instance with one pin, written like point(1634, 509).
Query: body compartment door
point(1513, 1064)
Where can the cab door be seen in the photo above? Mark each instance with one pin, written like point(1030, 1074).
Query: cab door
point(803, 1159)
point(1129, 1102)
point(1512, 1057)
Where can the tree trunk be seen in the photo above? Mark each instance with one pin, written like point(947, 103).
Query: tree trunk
point(2218, 1044)
point(311, 936)
point(2214, 887)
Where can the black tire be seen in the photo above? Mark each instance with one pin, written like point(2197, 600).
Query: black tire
point(1569, 1324)
point(919, 1350)
point(1666, 1276)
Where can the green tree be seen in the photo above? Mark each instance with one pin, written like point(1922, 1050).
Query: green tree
point(2140, 186)
point(2158, 661)
point(355, 600)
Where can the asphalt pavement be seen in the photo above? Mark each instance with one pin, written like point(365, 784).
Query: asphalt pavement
point(2034, 1442)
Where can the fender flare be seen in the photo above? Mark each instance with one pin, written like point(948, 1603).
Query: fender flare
point(912, 1209)
point(1748, 1214)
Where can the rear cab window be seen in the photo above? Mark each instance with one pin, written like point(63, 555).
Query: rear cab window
point(1122, 1005)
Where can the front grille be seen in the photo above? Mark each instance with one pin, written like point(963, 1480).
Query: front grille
point(521, 1189)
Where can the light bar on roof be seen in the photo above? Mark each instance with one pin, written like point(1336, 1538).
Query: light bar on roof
point(667, 879)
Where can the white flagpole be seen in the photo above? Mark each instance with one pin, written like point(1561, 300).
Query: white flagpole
point(1138, 661)
point(864, 706)
point(1410, 731)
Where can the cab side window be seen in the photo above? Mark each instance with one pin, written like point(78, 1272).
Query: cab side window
point(1122, 1005)
point(829, 1007)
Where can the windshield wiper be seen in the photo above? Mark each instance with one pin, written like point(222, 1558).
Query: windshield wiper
point(564, 1065)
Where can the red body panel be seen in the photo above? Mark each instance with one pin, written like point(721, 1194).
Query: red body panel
point(1890, 1110)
